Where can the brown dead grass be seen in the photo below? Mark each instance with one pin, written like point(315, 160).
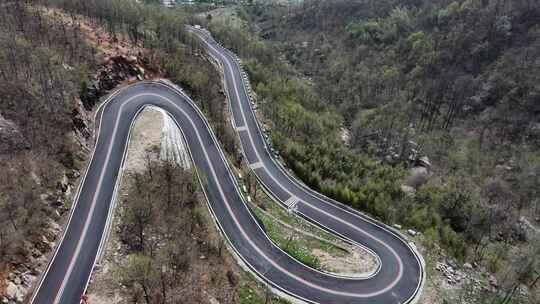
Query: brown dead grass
point(145, 137)
point(356, 261)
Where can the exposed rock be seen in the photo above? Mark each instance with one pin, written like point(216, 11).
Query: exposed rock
point(493, 281)
point(417, 177)
point(519, 231)
point(80, 123)
point(233, 279)
point(67, 67)
point(15, 292)
point(28, 279)
point(467, 266)
point(523, 290)
point(11, 290)
point(114, 71)
point(57, 203)
point(424, 162)
point(503, 168)
point(452, 275)
point(73, 174)
point(526, 224)
point(131, 59)
point(412, 232)
point(408, 190)
point(173, 146)
point(345, 136)
point(11, 138)
point(54, 226)
point(63, 184)
point(213, 300)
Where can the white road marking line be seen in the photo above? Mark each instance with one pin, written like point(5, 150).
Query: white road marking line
point(244, 233)
point(219, 186)
point(291, 202)
point(93, 205)
point(229, 209)
point(256, 165)
point(76, 201)
point(367, 220)
point(400, 263)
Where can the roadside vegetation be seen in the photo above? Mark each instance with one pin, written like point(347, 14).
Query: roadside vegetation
point(438, 139)
point(305, 242)
point(43, 133)
point(49, 92)
point(166, 238)
point(182, 61)
point(356, 95)
point(171, 250)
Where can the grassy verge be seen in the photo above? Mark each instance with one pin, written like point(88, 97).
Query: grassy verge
point(290, 241)
point(278, 224)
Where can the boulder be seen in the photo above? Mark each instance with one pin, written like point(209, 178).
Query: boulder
point(63, 184)
point(131, 59)
point(54, 227)
point(232, 277)
point(523, 290)
point(424, 162)
point(417, 177)
point(14, 293)
point(412, 232)
point(408, 190)
point(493, 281)
point(58, 203)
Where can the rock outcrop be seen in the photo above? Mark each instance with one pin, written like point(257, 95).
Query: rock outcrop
point(113, 71)
point(11, 138)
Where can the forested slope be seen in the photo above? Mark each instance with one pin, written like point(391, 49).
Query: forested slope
point(58, 58)
point(53, 69)
point(455, 82)
point(43, 132)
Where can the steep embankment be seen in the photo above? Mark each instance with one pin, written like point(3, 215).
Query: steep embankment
point(55, 67)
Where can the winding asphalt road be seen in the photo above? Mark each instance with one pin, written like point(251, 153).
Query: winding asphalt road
point(397, 280)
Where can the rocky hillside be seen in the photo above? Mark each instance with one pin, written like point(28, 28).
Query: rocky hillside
point(54, 69)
